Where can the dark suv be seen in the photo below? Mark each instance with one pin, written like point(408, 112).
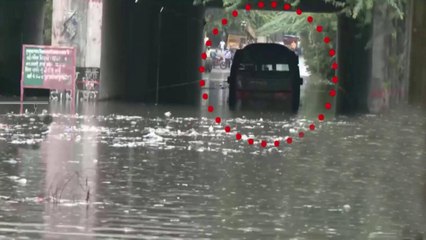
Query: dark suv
point(265, 71)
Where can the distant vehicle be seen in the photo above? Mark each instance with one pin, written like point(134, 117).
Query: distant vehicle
point(219, 62)
point(265, 71)
point(213, 61)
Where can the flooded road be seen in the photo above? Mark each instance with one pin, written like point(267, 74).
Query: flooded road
point(116, 171)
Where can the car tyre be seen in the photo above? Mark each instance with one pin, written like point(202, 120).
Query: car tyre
point(223, 65)
point(295, 103)
point(232, 96)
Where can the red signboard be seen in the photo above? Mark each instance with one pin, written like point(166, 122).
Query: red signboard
point(48, 67)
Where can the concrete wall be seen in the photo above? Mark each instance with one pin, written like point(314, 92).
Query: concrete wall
point(377, 102)
point(21, 22)
point(78, 23)
point(390, 53)
point(115, 48)
point(417, 89)
point(94, 34)
point(354, 69)
point(130, 51)
point(69, 26)
point(374, 61)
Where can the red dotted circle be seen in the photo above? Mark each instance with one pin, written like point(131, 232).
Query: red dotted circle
point(287, 6)
point(202, 83)
point(327, 40)
point(276, 143)
point(331, 53)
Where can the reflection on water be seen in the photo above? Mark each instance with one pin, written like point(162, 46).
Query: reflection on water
point(120, 171)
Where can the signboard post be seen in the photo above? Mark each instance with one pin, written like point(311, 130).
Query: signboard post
point(47, 67)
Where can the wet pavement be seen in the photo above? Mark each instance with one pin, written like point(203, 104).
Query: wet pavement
point(136, 171)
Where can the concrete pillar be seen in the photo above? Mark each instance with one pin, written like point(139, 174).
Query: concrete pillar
point(21, 22)
point(417, 88)
point(77, 23)
point(354, 69)
point(389, 82)
point(377, 94)
point(134, 39)
point(69, 21)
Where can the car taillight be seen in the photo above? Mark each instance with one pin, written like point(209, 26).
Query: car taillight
point(282, 95)
point(243, 95)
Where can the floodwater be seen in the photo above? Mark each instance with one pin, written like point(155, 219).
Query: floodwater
point(116, 171)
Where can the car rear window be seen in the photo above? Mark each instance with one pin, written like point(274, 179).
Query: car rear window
point(282, 67)
point(269, 67)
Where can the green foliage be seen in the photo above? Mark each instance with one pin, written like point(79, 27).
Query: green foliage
point(315, 51)
point(269, 23)
point(214, 20)
point(357, 9)
point(362, 9)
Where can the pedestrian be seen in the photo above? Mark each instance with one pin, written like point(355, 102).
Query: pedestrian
point(205, 41)
point(213, 54)
point(209, 52)
point(222, 45)
point(293, 46)
point(228, 56)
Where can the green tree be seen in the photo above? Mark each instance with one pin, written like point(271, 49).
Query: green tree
point(355, 8)
point(315, 51)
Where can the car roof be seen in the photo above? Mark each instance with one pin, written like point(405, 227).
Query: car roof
point(267, 52)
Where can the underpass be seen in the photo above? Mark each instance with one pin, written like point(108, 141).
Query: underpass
point(140, 170)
